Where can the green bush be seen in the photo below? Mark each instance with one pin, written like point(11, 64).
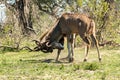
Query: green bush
point(91, 66)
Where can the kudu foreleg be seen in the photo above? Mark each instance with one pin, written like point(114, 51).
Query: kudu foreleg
point(74, 41)
point(58, 54)
point(70, 48)
point(59, 50)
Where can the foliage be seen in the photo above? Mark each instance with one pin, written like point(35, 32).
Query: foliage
point(104, 17)
point(91, 66)
point(50, 6)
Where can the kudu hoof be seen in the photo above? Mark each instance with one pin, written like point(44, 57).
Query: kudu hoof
point(71, 59)
point(100, 59)
point(57, 61)
point(85, 60)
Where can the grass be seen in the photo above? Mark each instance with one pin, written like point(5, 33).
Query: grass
point(25, 65)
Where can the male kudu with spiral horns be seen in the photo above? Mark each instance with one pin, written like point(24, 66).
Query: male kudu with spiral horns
point(67, 25)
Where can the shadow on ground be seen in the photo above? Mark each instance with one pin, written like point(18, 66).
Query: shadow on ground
point(63, 60)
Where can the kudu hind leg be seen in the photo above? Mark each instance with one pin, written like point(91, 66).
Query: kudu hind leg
point(87, 41)
point(86, 48)
point(96, 44)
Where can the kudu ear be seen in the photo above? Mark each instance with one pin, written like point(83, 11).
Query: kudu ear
point(56, 45)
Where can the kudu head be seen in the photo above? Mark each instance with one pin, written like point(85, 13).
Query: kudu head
point(47, 46)
point(50, 40)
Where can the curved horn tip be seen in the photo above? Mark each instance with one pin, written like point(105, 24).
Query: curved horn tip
point(48, 45)
point(36, 42)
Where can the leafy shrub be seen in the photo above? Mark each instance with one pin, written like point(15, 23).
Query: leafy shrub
point(91, 66)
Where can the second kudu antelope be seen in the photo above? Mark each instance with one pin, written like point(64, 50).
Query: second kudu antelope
point(66, 26)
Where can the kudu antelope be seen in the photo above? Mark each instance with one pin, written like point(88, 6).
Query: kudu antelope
point(67, 25)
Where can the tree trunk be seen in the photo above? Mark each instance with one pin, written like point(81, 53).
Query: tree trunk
point(24, 12)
